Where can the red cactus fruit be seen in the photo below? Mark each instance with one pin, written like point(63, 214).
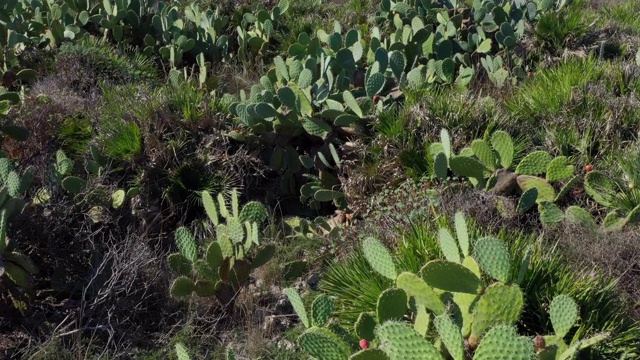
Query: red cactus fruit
point(588, 168)
point(364, 344)
point(376, 98)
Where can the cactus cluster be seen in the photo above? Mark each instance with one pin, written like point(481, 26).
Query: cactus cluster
point(488, 164)
point(470, 318)
point(97, 198)
point(611, 194)
point(14, 266)
point(227, 262)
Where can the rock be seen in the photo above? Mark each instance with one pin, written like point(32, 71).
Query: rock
point(313, 281)
point(506, 183)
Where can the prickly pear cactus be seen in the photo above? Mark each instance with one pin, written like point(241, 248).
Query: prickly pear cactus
point(379, 258)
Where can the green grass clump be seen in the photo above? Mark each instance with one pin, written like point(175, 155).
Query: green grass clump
point(550, 90)
point(75, 134)
point(556, 30)
point(120, 140)
point(622, 15)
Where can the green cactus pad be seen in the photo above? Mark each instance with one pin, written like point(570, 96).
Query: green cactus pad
point(205, 271)
point(493, 257)
point(468, 167)
point(182, 287)
point(634, 215)
point(298, 305)
point(323, 344)
point(305, 79)
point(5, 167)
point(450, 276)
point(571, 352)
point(484, 153)
point(316, 127)
point(462, 233)
point(422, 320)
point(499, 305)
point(379, 258)
point(351, 103)
point(450, 335)
point(422, 293)
point(254, 211)
point(72, 184)
point(559, 169)
point(503, 145)
point(471, 264)
point(550, 213)
point(600, 187)
point(503, 343)
point(545, 190)
point(214, 255)
point(448, 245)
point(210, 207)
point(441, 166)
point(374, 84)
point(263, 255)
point(401, 342)
point(614, 221)
point(13, 184)
point(235, 230)
point(206, 288)
point(563, 312)
point(287, 98)
point(534, 164)
point(577, 215)
point(527, 200)
point(181, 351)
point(568, 186)
point(186, 243)
point(321, 310)
point(369, 354)
point(392, 305)
point(365, 326)
point(179, 264)
point(397, 62)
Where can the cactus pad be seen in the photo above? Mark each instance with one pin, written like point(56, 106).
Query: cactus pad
point(450, 276)
point(392, 305)
point(181, 287)
point(206, 288)
point(499, 305)
point(450, 336)
point(186, 243)
point(559, 170)
point(254, 211)
point(210, 207)
point(323, 344)
point(448, 245)
point(600, 187)
point(365, 326)
point(401, 342)
point(462, 233)
point(298, 305)
point(379, 258)
point(493, 257)
point(422, 293)
point(527, 200)
point(374, 84)
point(614, 221)
point(563, 312)
point(503, 145)
point(550, 213)
point(321, 310)
point(369, 354)
point(263, 255)
point(534, 164)
point(441, 166)
point(179, 264)
point(503, 343)
point(545, 190)
point(72, 184)
point(214, 255)
point(467, 167)
point(484, 153)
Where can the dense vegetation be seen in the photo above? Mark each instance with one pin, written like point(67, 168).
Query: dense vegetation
point(336, 179)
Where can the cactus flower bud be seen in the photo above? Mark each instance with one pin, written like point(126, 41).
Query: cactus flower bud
point(364, 344)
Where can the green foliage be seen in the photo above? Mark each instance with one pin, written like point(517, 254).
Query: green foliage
point(226, 264)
